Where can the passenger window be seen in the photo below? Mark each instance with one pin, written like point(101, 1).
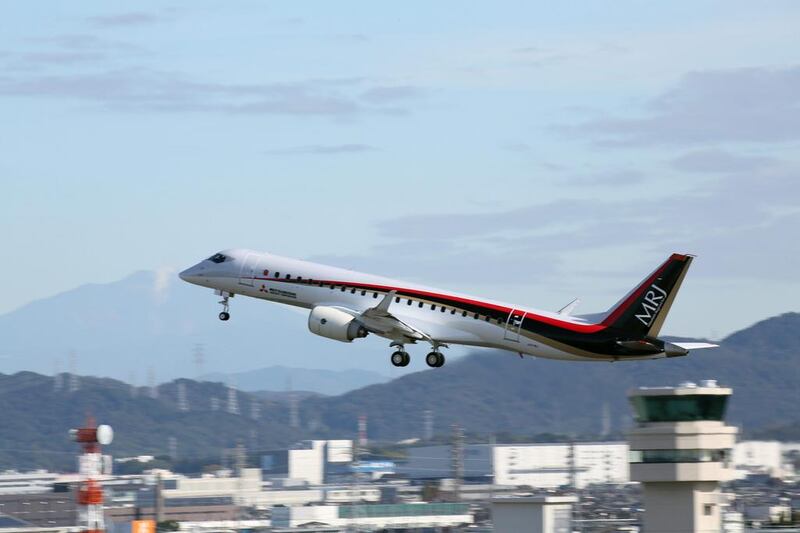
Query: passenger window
point(333, 286)
point(452, 311)
point(476, 316)
point(420, 304)
point(409, 301)
point(363, 293)
point(433, 307)
point(343, 288)
point(266, 273)
point(277, 275)
point(288, 276)
point(444, 309)
point(488, 318)
point(300, 279)
point(397, 299)
point(353, 290)
point(374, 294)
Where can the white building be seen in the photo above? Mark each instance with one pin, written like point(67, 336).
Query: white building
point(758, 457)
point(555, 465)
point(409, 515)
point(533, 514)
point(12, 482)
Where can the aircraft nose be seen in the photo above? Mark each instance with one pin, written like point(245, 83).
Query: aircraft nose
point(191, 274)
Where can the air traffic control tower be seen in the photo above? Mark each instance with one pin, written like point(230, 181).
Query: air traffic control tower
point(680, 451)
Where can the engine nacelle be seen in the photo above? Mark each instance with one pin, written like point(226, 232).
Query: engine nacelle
point(335, 324)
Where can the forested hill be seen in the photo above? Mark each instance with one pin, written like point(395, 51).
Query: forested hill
point(487, 392)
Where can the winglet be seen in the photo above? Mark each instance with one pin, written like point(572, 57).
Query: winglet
point(570, 307)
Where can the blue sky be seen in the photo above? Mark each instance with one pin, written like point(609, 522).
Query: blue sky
point(531, 152)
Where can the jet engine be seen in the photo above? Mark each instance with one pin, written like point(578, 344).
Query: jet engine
point(335, 324)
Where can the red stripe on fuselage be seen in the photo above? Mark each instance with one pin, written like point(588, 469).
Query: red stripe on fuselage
point(580, 328)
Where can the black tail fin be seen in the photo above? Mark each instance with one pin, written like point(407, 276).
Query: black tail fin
point(642, 312)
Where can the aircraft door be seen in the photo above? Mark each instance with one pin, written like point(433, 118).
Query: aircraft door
point(247, 275)
point(514, 324)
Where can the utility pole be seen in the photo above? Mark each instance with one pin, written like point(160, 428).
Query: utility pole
point(427, 424)
point(457, 460)
point(199, 356)
point(183, 400)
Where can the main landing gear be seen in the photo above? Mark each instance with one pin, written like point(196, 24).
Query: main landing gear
point(225, 314)
point(435, 359)
point(400, 357)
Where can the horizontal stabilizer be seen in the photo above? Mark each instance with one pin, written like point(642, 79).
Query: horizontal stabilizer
point(695, 345)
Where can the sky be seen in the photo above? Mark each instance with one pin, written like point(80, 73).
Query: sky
point(531, 152)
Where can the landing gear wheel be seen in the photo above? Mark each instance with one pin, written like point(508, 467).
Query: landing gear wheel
point(400, 358)
point(434, 359)
point(226, 296)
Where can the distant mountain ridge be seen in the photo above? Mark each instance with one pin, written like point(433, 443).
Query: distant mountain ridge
point(487, 393)
point(149, 323)
point(498, 392)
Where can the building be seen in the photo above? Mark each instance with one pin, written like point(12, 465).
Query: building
point(19, 482)
point(436, 462)
point(555, 465)
point(533, 514)
point(389, 517)
point(312, 461)
point(759, 457)
point(536, 465)
point(43, 509)
point(680, 451)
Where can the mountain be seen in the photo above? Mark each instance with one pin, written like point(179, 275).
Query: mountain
point(149, 323)
point(38, 412)
point(281, 378)
point(499, 392)
point(487, 393)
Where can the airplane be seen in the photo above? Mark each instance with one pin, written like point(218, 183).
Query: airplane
point(346, 305)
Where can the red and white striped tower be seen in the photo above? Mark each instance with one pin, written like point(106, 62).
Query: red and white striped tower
point(90, 467)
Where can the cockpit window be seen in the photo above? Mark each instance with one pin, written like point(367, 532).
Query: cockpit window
point(218, 258)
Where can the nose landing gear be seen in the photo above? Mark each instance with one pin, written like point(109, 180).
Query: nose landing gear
point(225, 314)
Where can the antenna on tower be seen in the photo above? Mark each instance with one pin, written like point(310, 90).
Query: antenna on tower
point(253, 439)
point(233, 401)
point(606, 417)
point(294, 415)
point(199, 355)
point(152, 390)
point(255, 409)
point(240, 454)
point(132, 382)
point(74, 385)
point(427, 424)
point(183, 402)
point(172, 444)
point(57, 377)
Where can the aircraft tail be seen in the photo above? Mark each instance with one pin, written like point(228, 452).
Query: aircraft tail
point(642, 312)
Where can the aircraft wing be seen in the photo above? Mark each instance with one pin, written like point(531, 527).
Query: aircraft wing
point(380, 321)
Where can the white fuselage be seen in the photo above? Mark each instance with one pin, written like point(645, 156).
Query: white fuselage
point(308, 285)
